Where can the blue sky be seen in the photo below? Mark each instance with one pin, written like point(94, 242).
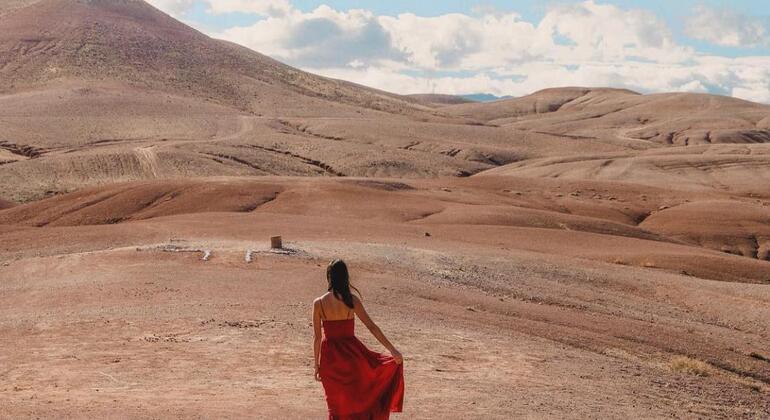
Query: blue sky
point(506, 47)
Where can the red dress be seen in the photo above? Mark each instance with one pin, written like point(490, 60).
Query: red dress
point(359, 384)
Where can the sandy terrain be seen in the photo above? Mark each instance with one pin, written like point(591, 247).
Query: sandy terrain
point(497, 318)
point(575, 253)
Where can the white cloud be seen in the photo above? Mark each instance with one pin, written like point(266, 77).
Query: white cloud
point(588, 44)
point(456, 41)
point(705, 74)
point(728, 28)
point(608, 33)
point(384, 78)
point(321, 38)
point(260, 7)
point(174, 7)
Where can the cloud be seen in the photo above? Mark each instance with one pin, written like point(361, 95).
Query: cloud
point(728, 28)
point(454, 41)
point(494, 51)
point(217, 7)
point(605, 32)
point(321, 38)
point(173, 7)
point(743, 78)
point(260, 7)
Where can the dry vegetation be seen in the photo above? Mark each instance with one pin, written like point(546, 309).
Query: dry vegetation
point(691, 366)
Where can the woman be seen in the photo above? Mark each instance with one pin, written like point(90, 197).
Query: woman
point(359, 383)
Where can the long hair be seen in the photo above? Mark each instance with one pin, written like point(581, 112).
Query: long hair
point(339, 282)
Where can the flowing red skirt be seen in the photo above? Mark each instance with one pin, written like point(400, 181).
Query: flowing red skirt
point(359, 384)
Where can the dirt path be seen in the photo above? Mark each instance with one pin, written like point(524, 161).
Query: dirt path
point(246, 124)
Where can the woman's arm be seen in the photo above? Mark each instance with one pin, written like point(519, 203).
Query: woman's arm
point(358, 307)
point(317, 336)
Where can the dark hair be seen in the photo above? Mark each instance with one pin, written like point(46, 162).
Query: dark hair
point(339, 282)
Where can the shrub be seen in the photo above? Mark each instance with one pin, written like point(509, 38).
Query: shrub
point(690, 366)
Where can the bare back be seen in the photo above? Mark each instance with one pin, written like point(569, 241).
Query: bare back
point(329, 308)
point(333, 309)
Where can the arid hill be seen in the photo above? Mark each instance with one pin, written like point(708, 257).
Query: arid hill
point(673, 230)
point(49, 42)
point(108, 91)
point(574, 253)
point(672, 119)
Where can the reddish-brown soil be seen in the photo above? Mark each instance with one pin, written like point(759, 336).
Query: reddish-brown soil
point(523, 312)
point(549, 256)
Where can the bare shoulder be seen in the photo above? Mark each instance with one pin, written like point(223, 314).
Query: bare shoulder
point(357, 302)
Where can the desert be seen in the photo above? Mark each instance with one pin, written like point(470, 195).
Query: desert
point(577, 252)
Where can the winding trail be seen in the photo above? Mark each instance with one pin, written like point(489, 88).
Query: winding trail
point(246, 124)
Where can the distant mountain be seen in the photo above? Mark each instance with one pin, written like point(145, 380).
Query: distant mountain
point(436, 99)
point(483, 97)
point(665, 118)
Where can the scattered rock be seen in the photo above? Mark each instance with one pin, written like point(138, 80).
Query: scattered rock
point(244, 324)
point(166, 339)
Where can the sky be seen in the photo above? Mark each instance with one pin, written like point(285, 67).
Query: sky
point(500, 47)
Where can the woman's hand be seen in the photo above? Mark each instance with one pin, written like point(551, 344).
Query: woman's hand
point(317, 374)
point(397, 356)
